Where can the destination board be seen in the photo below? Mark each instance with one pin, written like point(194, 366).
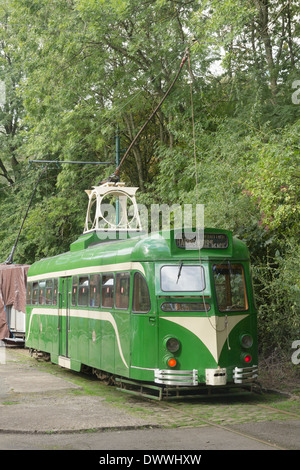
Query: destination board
point(191, 241)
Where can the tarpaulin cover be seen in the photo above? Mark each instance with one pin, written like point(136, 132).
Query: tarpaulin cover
point(13, 278)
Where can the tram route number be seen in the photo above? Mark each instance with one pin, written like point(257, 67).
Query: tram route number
point(296, 354)
point(154, 459)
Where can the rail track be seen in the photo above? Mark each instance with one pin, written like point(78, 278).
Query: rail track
point(197, 419)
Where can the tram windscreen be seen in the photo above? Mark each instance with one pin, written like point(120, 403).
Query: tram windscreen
point(182, 278)
point(230, 287)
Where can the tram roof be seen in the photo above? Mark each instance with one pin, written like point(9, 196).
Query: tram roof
point(92, 250)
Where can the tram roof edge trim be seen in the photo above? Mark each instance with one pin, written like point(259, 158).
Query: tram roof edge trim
point(187, 238)
point(94, 237)
point(89, 251)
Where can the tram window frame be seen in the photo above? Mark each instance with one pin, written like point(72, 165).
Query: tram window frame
point(74, 291)
point(177, 270)
point(185, 307)
point(35, 293)
point(42, 298)
point(95, 290)
point(28, 293)
point(228, 281)
point(83, 291)
point(137, 302)
point(49, 290)
point(109, 290)
point(55, 291)
point(122, 290)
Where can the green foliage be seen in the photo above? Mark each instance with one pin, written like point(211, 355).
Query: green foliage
point(277, 284)
point(74, 70)
point(273, 180)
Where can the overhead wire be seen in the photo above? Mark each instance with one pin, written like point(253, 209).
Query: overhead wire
point(198, 229)
point(117, 171)
point(9, 260)
point(108, 120)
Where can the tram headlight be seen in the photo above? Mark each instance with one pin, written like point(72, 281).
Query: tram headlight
point(246, 341)
point(172, 344)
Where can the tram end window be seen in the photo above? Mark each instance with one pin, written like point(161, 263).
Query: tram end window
point(182, 278)
point(230, 287)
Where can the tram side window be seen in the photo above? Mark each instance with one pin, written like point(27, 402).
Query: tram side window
point(28, 293)
point(141, 299)
point(42, 285)
point(49, 291)
point(74, 290)
point(54, 300)
point(83, 291)
point(122, 290)
point(95, 280)
point(35, 293)
point(230, 287)
point(107, 290)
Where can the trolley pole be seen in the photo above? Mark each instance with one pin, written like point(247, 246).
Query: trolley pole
point(117, 140)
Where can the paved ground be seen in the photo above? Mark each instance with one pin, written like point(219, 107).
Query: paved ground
point(45, 407)
point(33, 401)
point(203, 438)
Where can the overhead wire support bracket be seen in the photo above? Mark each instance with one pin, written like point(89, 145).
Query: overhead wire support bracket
point(59, 162)
point(10, 258)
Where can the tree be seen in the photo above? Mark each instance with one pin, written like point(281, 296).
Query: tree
point(11, 106)
point(108, 63)
point(226, 137)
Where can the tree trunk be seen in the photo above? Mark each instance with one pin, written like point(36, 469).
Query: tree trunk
point(263, 9)
point(289, 29)
point(5, 173)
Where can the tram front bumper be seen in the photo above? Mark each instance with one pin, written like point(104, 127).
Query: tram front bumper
point(176, 377)
point(213, 377)
point(242, 375)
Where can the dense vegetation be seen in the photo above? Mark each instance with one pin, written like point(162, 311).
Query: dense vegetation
point(74, 70)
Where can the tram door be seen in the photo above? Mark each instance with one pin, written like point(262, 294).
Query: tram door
point(143, 331)
point(64, 316)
